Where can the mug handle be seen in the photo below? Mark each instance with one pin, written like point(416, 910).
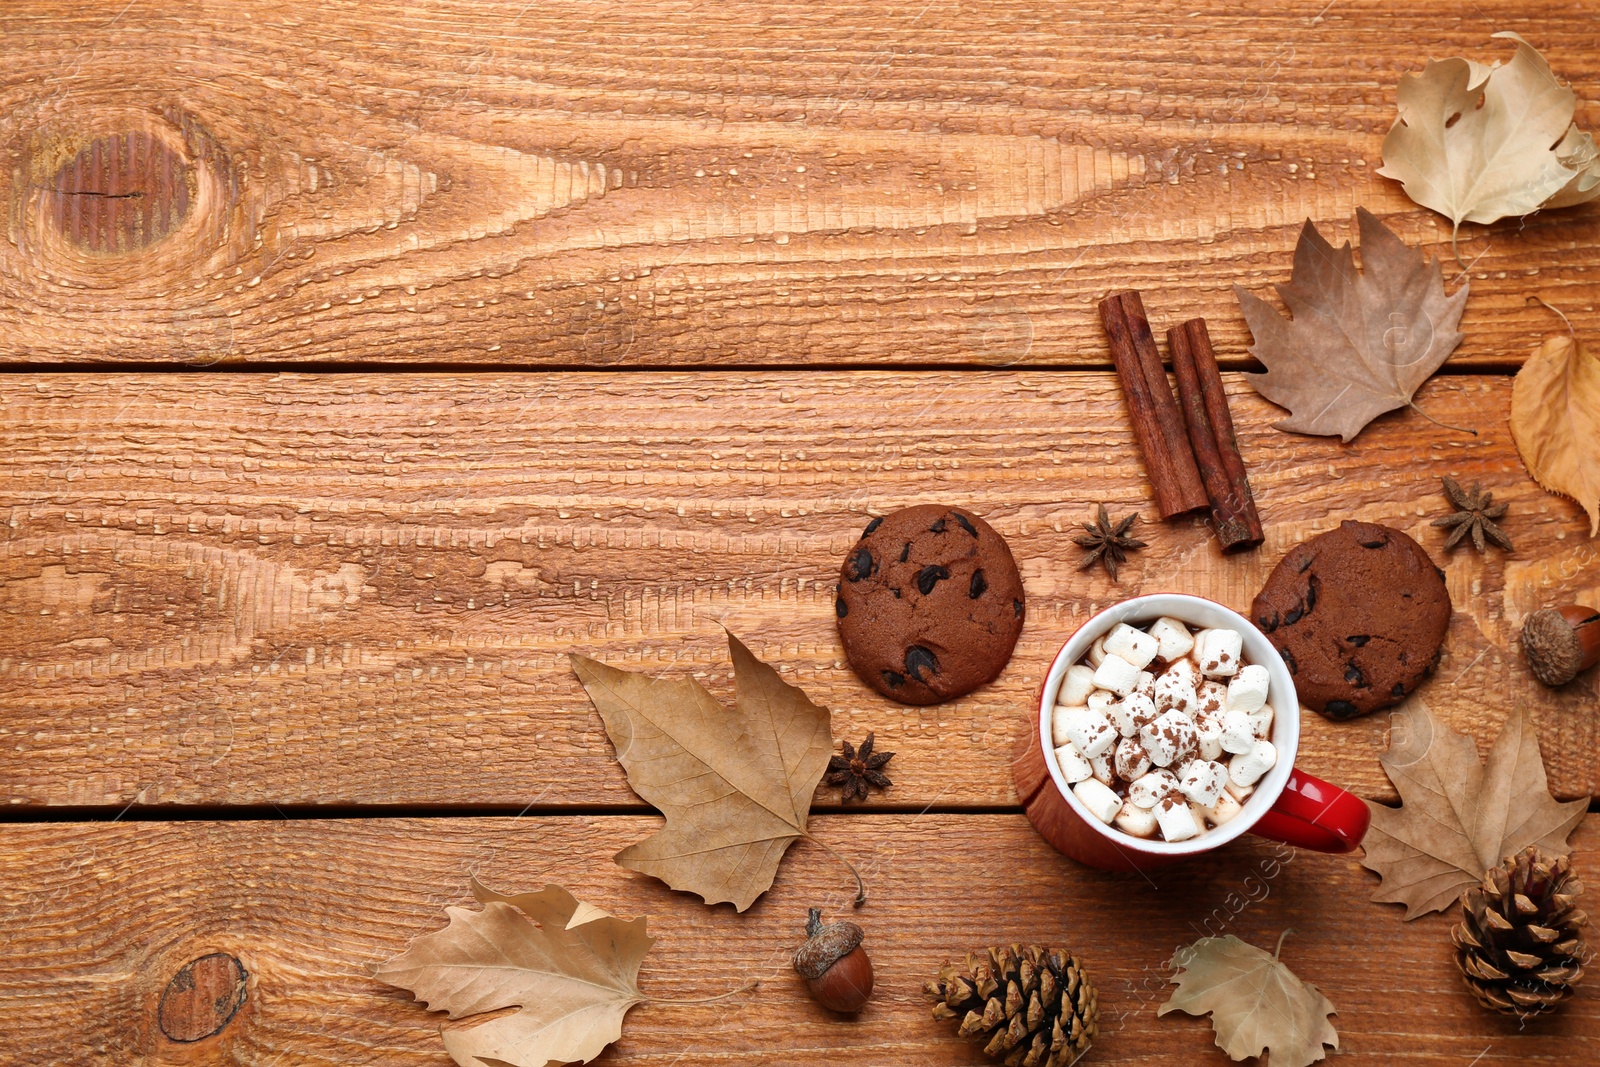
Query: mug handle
point(1310, 813)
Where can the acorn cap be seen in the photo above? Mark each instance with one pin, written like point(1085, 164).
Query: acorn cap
point(1560, 642)
point(825, 945)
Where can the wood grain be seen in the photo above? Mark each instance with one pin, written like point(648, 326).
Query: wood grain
point(95, 919)
point(662, 184)
point(251, 589)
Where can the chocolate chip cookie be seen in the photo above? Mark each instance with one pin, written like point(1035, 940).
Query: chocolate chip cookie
point(1360, 615)
point(929, 604)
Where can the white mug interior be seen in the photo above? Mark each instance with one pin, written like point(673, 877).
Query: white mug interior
point(1197, 613)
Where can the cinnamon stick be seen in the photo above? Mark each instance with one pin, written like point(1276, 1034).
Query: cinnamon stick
point(1157, 424)
point(1216, 450)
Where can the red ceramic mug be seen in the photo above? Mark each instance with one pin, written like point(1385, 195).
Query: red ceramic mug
point(1287, 804)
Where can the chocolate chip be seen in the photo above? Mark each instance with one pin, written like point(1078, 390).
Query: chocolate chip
point(1016, 608)
point(979, 584)
point(1379, 543)
point(919, 659)
point(873, 525)
point(928, 577)
point(1306, 563)
point(1268, 623)
point(1313, 588)
point(905, 553)
point(896, 591)
point(1398, 689)
point(1294, 614)
point(1359, 640)
point(965, 525)
point(1288, 658)
point(1353, 676)
point(861, 565)
point(937, 527)
point(840, 608)
point(893, 679)
point(1340, 709)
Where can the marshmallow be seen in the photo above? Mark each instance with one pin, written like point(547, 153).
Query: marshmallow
point(1102, 803)
point(1131, 760)
point(1210, 698)
point(1247, 769)
point(1074, 768)
point(1224, 809)
point(1175, 687)
point(1097, 652)
point(1145, 685)
point(1058, 723)
point(1077, 685)
point(1132, 819)
point(1177, 822)
point(1146, 791)
point(1117, 675)
point(1091, 731)
point(1208, 731)
point(1247, 690)
point(1202, 781)
point(1103, 769)
point(1173, 640)
point(1170, 739)
point(1216, 651)
point(1239, 792)
point(1135, 646)
point(1141, 708)
point(1237, 736)
point(1114, 710)
point(1261, 722)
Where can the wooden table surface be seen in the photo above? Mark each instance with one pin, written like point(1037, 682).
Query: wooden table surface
point(362, 360)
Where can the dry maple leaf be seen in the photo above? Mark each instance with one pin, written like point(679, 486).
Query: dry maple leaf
point(1256, 1003)
point(1458, 818)
point(1555, 420)
point(570, 969)
point(1479, 143)
point(1360, 344)
point(735, 784)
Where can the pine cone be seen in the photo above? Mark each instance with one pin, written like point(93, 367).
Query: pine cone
point(1520, 941)
point(1035, 1005)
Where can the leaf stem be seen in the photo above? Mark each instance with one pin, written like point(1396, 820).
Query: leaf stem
point(1436, 422)
point(751, 984)
point(1279, 946)
point(861, 889)
point(1558, 313)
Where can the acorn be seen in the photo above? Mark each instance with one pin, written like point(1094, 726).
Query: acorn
point(1558, 643)
point(837, 970)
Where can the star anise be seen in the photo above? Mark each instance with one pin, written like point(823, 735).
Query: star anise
point(1475, 514)
point(1108, 545)
point(856, 770)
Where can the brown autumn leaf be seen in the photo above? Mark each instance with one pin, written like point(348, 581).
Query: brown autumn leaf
point(735, 784)
point(1359, 344)
point(1458, 818)
point(1555, 420)
point(1478, 143)
point(1256, 1003)
point(570, 969)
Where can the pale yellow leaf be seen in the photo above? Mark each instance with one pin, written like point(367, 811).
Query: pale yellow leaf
point(735, 784)
point(1360, 343)
point(1256, 1003)
point(570, 969)
point(1478, 144)
point(1555, 420)
point(1458, 817)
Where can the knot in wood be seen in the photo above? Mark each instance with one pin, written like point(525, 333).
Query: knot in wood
point(120, 193)
point(203, 997)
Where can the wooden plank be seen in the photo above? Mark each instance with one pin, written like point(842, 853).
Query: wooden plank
point(98, 918)
point(247, 589)
point(654, 184)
